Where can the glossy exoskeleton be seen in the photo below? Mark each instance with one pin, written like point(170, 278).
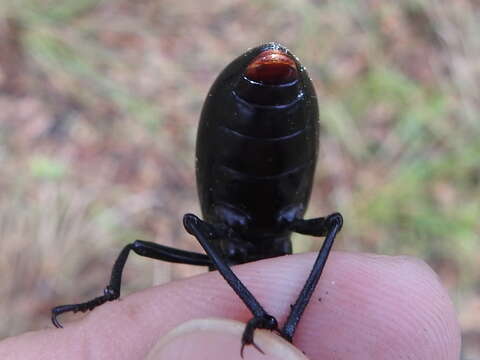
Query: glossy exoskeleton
point(256, 153)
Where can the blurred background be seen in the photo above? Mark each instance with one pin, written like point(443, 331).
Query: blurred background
point(99, 106)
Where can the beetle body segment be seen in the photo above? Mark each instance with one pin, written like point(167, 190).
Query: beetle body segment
point(257, 147)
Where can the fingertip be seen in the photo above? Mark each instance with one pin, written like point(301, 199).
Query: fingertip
point(213, 339)
point(364, 307)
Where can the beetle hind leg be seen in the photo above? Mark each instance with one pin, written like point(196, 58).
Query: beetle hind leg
point(205, 233)
point(325, 226)
point(112, 290)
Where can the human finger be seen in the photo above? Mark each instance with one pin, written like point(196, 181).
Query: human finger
point(365, 306)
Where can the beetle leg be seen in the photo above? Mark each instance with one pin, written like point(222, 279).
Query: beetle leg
point(328, 227)
point(142, 248)
point(204, 233)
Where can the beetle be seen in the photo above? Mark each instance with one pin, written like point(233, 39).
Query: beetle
point(256, 152)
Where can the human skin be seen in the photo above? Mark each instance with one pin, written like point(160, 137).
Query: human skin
point(364, 307)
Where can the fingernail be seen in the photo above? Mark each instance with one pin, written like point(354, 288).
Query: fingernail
point(212, 339)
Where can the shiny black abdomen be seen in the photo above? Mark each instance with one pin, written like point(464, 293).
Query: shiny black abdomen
point(256, 152)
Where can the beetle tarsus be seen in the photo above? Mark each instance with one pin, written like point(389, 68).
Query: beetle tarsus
point(109, 294)
point(266, 321)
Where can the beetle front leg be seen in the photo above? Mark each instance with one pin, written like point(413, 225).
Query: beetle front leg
point(328, 226)
point(204, 233)
point(112, 291)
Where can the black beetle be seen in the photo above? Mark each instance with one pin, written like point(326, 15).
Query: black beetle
point(257, 148)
